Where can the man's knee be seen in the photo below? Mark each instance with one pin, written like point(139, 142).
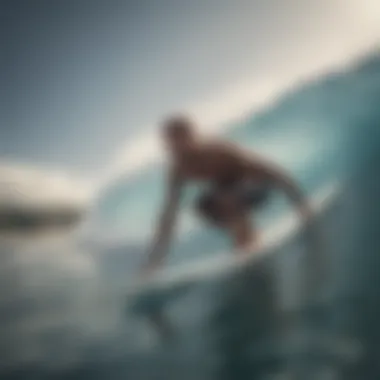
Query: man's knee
point(207, 207)
point(216, 208)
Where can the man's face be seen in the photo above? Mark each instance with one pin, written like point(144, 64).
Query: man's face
point(177, 142)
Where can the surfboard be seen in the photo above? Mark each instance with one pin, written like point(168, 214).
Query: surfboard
point(169, 284)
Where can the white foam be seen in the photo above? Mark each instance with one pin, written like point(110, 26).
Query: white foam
point(30, 187)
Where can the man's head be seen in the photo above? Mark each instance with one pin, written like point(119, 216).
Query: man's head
point(179, 133)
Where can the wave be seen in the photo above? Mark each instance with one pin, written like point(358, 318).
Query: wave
point(317, 132)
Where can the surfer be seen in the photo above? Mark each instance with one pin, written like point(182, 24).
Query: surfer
point(238, 182)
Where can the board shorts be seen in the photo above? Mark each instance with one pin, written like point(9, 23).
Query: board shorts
point(248, 196)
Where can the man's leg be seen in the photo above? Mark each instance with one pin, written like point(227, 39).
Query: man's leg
point(244, 236)
point(246, 201)
point(224, 210)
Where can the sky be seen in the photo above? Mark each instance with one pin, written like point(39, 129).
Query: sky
point(84, 83)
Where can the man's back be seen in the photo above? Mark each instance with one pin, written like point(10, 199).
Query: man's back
point(214, 161)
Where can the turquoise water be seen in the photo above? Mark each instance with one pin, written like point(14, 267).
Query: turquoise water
point(63, 309)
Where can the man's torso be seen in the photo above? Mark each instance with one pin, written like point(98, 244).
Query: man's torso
point(215, 163)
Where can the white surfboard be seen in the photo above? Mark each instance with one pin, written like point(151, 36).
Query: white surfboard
point(170, 283)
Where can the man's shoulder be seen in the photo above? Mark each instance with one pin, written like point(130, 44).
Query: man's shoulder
point(227, 147)
point(219, 144)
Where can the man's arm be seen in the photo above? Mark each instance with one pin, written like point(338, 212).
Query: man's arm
point(166, 221)
point(256, 167)
point(282, 180)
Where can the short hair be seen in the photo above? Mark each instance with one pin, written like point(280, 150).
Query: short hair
point(178, 125)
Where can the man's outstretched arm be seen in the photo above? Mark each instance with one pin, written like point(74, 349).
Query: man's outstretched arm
point(166, 221)
point(255, 167)
point(283, 181)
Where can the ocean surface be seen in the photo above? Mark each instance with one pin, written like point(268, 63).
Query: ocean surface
point(64, 309)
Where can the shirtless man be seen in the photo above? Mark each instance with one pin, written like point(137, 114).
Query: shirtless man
point(238, 183)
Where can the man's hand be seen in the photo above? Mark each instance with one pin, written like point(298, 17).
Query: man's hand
point(149, 268)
